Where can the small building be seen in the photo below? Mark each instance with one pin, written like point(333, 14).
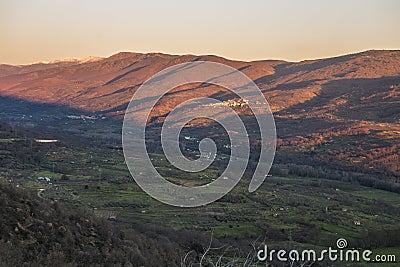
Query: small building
point(357, 222)
point(47, 179)
point(112, 217)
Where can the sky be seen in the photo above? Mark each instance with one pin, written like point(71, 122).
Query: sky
point(45, 30)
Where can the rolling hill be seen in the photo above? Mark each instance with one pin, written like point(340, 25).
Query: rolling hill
point(346, 109)
point(106, 85)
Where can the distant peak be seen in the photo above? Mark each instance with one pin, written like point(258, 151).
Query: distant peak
point(77, 60)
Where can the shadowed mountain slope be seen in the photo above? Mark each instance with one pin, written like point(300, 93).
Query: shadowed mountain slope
point(106, 85)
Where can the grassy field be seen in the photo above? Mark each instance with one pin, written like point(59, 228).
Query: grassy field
point(311, 210)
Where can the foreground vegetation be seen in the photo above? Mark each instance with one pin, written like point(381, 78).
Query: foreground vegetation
point(298, 206)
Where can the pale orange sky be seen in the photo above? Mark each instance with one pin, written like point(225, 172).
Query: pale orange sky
point(44, 30)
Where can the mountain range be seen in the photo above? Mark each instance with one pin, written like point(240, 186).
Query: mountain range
point(346, 107)
point(356, 84)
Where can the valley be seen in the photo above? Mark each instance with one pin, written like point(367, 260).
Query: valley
point(336, 172)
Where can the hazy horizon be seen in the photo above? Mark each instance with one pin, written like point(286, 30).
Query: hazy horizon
point(45, 30)
point(55, 60)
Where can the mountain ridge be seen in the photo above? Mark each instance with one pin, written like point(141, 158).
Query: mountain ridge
point(349, 87)
point(106, 85)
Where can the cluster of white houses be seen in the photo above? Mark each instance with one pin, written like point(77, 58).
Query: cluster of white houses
point(231, 103)
point(85, 117)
